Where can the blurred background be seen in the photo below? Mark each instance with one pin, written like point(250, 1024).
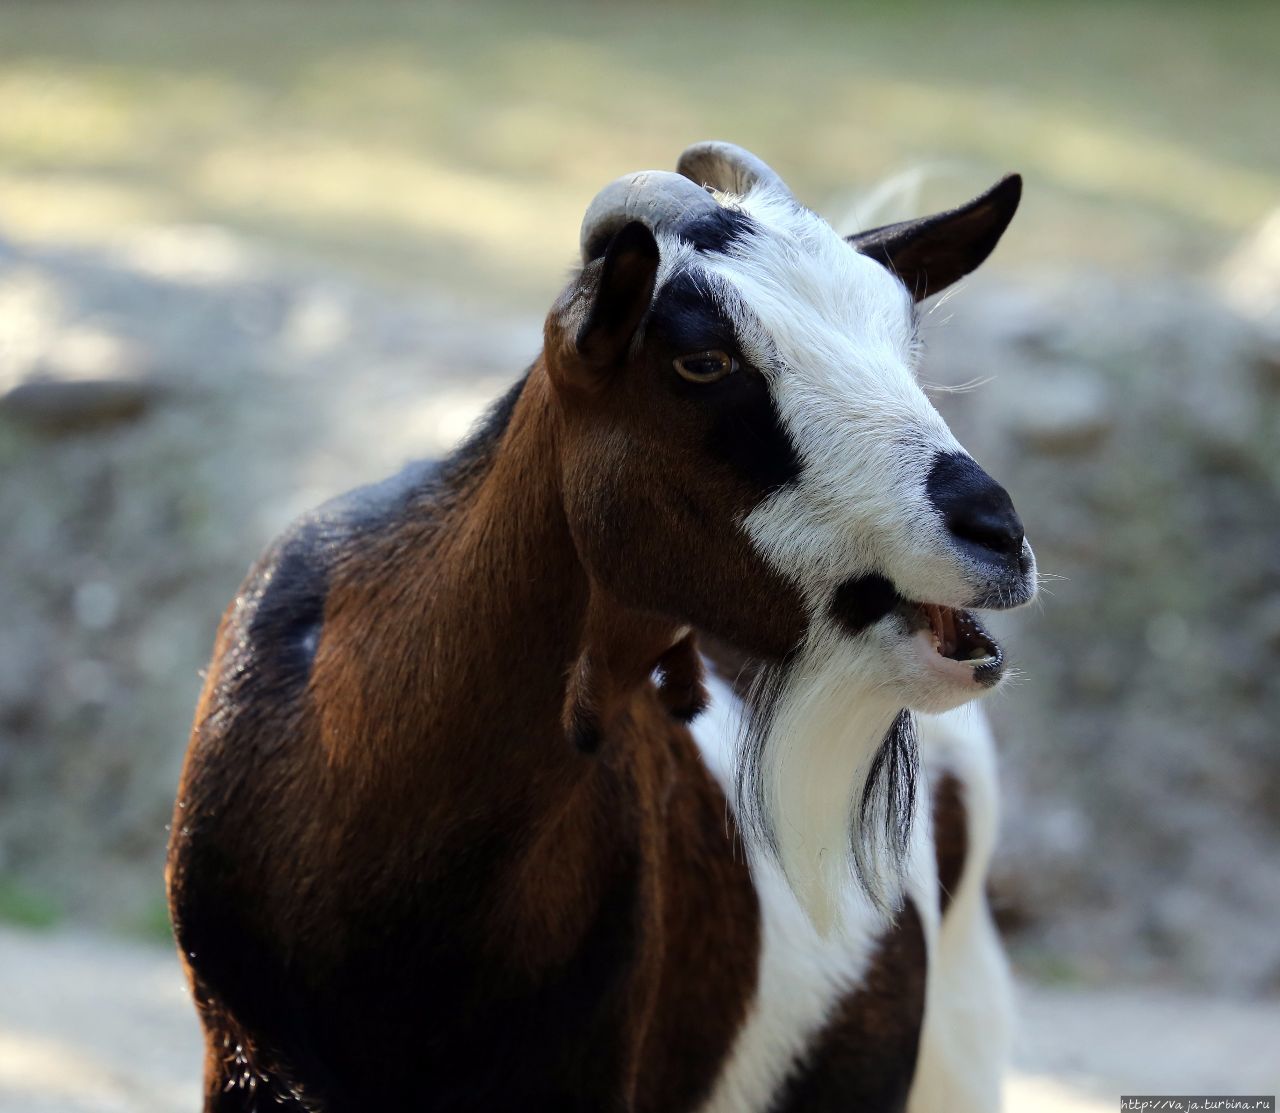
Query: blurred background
point(253, 254)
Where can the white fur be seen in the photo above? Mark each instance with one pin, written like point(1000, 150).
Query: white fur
point(804, 974)
point(814, 766)
point(835, 337)
point(969, 996)
point(833, 333)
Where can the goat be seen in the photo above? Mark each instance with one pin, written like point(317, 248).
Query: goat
point(582, 770)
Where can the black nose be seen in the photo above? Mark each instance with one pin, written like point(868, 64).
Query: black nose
point(977, 510)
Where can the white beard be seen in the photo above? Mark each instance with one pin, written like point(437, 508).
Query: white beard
point(826, 777)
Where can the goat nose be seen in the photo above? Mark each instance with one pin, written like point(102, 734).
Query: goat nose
point(975, 507)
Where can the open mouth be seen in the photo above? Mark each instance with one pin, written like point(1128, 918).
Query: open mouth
point(956, 636)
point(950, 642)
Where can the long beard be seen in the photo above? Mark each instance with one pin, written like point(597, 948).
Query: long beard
point(826, 779)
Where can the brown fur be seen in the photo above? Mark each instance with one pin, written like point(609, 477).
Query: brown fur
point(950, 836)
point(428, 750)
point(865, 1058)
point(440, 842)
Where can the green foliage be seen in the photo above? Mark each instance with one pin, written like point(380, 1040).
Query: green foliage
point(153, 923)
point(1043, 966)
point(27, 906)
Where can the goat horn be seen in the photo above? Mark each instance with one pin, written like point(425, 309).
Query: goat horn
point(657, 198)
point(728, 168)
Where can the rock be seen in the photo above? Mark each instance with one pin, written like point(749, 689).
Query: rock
point(1066, 414)
point(1017, 316)
point(1265, 355)
point(1267, 620)
point(31, 310)
point(1249, 282)
point(88, 351)
point(74, 405)
point(95, 604)
point(1250, 277)
point(1220, 409)
point(318, 321)
point(85, 376)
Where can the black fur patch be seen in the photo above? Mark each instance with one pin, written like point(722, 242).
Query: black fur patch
point(287, 621)
point(688, 316)
point(746, 430)
point(863, 601)
point(749, 435)
point(763, 695)
point(718, 231)
point(892, 780)
point(283, 608)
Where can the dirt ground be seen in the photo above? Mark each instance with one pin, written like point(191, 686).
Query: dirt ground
point(94, 1025)
point(384, 147)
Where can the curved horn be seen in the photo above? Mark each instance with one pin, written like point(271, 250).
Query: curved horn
point(657, 198)
point(728, 168)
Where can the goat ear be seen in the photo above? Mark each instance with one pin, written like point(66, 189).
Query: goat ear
point(622, 295)
point(931, 253)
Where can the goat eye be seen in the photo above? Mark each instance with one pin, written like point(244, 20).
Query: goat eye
point(706, 367)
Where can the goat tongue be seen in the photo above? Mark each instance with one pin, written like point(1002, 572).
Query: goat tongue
point(959, 634)
point(942, 623)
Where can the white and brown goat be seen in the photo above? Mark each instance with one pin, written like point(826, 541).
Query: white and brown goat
point(444, 840)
